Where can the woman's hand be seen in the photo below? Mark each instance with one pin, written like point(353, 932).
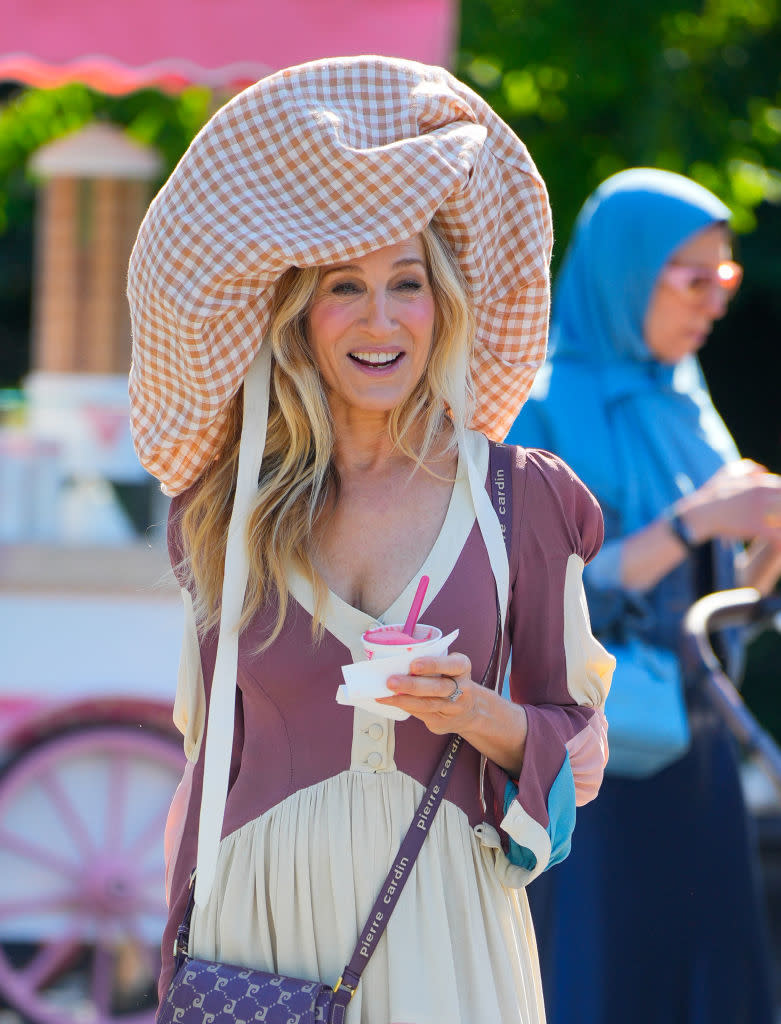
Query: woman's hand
point(438, 691)
point(443, 695)
point(742, 501)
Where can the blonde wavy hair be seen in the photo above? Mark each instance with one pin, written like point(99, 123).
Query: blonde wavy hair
point(298, 477)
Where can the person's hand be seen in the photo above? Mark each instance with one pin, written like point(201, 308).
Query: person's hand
point(438, 691)
point(742, 501)
point(442, 694)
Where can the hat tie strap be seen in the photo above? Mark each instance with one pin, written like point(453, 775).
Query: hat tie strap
point(222, 703)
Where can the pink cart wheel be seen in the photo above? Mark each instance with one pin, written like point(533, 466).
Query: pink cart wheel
point(82, 902)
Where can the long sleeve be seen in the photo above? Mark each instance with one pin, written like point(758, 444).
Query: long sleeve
point(560, 672)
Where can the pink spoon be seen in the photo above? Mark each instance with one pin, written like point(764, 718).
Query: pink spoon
point(417, 601)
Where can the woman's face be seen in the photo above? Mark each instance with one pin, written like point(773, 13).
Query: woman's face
point(371, 325)
point(685, 302)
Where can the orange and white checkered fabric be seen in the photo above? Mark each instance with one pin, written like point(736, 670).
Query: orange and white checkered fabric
point(322, 162)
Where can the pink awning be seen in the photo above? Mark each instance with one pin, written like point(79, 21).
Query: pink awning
point(227, 44)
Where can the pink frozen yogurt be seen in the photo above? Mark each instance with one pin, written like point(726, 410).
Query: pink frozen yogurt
point(391, 635)
point(394, 636)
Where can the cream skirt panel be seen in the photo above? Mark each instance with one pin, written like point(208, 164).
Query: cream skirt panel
point(294, 887)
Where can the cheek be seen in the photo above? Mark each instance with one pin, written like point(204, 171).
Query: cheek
point(662, 323)
point(420, 321)
point(323, 329)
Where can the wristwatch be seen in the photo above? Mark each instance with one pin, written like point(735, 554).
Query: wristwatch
point(678, 526)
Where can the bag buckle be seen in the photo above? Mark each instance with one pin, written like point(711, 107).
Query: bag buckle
point(341, 983)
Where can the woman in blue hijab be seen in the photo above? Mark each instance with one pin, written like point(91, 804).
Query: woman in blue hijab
point(656, 916)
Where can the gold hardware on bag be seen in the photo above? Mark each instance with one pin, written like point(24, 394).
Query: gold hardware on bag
point(341, 983)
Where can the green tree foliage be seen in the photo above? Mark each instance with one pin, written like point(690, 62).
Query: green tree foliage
point(29, 118)
point(593, 88)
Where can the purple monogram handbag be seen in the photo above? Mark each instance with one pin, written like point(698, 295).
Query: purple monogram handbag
point(208, 992)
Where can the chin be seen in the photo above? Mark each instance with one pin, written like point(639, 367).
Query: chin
point(379, 399)
point(682, 347)
point(374, 404)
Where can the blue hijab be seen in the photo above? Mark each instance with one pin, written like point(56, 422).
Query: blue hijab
point(638, 432)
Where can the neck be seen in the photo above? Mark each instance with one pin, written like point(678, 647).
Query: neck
point(362, 443)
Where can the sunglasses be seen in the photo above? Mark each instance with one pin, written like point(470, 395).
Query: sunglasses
point(697, 283)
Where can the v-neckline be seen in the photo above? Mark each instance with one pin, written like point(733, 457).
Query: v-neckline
point(346, 622)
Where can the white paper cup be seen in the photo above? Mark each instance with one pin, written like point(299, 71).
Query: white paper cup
point(365, 681)
point(426, 636)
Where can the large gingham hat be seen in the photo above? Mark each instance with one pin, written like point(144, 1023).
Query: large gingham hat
point(322, 162)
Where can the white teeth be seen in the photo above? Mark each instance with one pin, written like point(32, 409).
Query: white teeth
point(376, 358)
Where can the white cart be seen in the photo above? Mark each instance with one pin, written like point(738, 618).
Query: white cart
point(89, 762)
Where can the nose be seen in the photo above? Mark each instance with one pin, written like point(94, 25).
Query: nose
point(378, 320)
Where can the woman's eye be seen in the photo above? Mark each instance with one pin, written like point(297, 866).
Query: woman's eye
point(410, 285)
point(345, 288)
point(700, 283)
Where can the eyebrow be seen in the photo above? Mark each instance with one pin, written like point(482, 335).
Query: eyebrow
point(404, 262)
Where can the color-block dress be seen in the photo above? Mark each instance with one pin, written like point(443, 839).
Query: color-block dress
point(321, 794)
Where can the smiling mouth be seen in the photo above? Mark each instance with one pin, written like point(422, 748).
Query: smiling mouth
point(377, 360)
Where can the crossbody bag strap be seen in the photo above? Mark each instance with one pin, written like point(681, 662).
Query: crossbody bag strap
point(402, 868)
point(488, 524)
point(500, 469)
point(501, 481)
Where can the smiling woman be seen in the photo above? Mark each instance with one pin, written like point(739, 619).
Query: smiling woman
point(322, 464)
